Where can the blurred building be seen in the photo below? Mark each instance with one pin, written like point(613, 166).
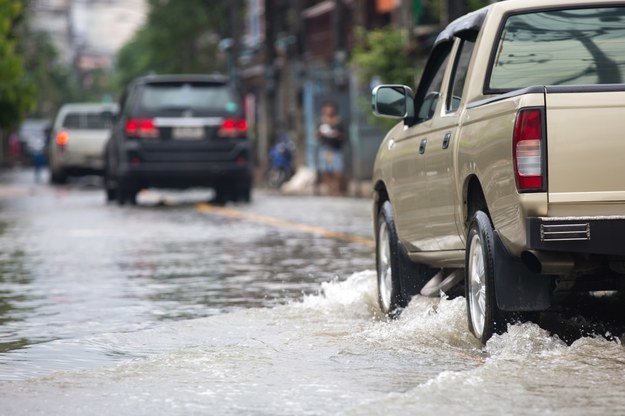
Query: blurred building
point(53, 18)
point(294, 55)
point(88, 33)
point(100, 28)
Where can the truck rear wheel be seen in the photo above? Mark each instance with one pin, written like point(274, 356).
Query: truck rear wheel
point(484, 317)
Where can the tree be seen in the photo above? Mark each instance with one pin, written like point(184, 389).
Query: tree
point(17, 91)
point(387, 56)
point(380, 56)
point(55, 83)
point(178, 37)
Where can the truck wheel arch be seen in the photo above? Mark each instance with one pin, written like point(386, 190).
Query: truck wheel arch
point(473, 200)
point(380, 194)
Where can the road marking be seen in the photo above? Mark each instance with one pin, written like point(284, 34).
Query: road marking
point(285, 224)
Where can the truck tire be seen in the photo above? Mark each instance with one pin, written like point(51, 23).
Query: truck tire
point(483, 315)
point(398, 277)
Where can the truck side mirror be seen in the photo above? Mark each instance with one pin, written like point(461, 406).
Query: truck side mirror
point(393, 101)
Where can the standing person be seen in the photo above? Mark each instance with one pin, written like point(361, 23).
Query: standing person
point(39, 159)
point(331, 137)
point(14, 149)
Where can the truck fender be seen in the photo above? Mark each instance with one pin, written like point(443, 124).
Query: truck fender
point(517, 289)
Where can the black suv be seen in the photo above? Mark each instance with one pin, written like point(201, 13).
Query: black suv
point(179, 131)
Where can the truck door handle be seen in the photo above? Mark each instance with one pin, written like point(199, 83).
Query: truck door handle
point(446, 140)
point(424, 143)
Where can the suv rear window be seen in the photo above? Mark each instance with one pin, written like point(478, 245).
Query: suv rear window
point(198, 97)
point(561, 47)
point(87, 121)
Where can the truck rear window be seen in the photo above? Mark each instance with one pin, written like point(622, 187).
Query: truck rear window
point(198, 97)
point(582, 46)
point(87, 121)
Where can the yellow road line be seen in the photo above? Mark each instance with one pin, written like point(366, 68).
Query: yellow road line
point(285, 224)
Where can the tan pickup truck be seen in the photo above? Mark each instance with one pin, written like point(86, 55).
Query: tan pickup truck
point(507, 170)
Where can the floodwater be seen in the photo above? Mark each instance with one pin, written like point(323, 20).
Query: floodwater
point(168, 310)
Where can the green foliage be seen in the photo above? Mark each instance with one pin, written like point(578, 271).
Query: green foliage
point(17, 91)
point(477, 4)
point(55, 82)
point(382, 56)
point(178, 37)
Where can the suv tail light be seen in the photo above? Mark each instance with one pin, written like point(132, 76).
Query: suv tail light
point(231, 127)
point(141, 127)
point(62, 138)
point(528, 148)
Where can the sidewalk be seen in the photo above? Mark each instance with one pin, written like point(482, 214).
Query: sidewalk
point(303, 183)
point(19, 183)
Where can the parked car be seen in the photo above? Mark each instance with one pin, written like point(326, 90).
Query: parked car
point(179, 131)
point(505, 172)
point(79, 134)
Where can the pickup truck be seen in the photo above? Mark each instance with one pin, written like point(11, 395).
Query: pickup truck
point(505, 174)
point(78, 137)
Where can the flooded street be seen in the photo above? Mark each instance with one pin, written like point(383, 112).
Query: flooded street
point(177, 307)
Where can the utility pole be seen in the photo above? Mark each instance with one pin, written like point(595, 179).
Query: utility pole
point(407, 20)
point(267, 133)
point(340, 51)
point(296, 51)
point(236, 27)
point(341, 77)
point(452, 9)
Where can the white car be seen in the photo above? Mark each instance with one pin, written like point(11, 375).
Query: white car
point(78, 138)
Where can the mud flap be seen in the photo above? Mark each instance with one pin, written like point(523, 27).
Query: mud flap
point(518, 289)
point(412, 276)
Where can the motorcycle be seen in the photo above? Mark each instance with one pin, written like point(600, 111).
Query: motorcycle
point(281, 160)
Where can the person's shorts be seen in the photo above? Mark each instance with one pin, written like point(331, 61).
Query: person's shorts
point(330, 160)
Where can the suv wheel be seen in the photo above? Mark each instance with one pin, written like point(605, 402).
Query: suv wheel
point(245, 195)
point(58, 177)
point(109, 187)
point(111, 194)
point(126, 194)
point(484, 317)
point(223, 194)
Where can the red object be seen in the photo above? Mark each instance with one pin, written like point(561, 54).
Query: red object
point(62, 138)
point(231, 127)
point(141, 127)
point(385, 6)
point(528, 150)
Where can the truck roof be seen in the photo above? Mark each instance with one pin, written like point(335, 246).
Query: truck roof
point(88, 107)
point(212, 78)
point(472, 22)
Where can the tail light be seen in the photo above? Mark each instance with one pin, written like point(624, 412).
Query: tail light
point(62, 138)
point(529, 150)
point(231, 127)
point(142, 128)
